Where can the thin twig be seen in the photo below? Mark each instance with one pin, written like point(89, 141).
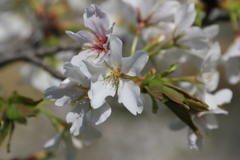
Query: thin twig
point(46, 67)
point(34, 56)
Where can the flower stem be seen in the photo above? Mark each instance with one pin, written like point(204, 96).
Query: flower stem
point(134, 44)
point(56, 122)
point(140, 27)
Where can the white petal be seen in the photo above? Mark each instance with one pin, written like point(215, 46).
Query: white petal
point(211, 80)
point(66, 93)
point(211, 101)
point(129, 95)
point(223, 96)
point(115, 52)
point(93, 71)
point(144, 6)
point(177, 124)
point(234, 50)
point(165, 11)
point(133, 65)
point(213, 54)
point(77, 143)
point(211, 122)
point(52, 144)
point(84, 38)
point(78, 118)
point(96, 20)
point(100, 114)
point(75, 73)
point(194, 141)
point(211, 31)
point(90, 135)
point(83, 55)
point(99, 91)
point(194, 38)
point(184, 18)
point(232, 70)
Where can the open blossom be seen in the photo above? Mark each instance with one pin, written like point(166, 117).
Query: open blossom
point(180, 30)
point(112, 78)
point(206, 120)
point(152, 12)
point(71, 143)
point(95, 42)
point(231, 62)
point(74, 89)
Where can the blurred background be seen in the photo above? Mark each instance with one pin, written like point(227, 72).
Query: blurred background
point(26, 26)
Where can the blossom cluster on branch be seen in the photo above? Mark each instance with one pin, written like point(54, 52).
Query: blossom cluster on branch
point(143, 50)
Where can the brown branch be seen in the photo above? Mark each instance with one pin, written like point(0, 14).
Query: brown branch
point(34, 57)
point(46, 67)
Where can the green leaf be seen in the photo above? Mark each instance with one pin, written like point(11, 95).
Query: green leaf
point(155, 88)
point(21, 107)
point(167, 72)
point(184, 115)
point(148, 77)
point(21, 120)
point(179, 101)
point(4, 129)
point(190, 79)
point(154, 104)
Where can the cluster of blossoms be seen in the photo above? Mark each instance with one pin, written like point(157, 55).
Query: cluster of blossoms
point(100, 71)
point(97, 72)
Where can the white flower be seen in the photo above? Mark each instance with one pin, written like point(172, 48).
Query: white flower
point(231, 62)
point(71, 143)
point(95, 42)
point(119, 13)
point(180, 30)
point(74, 89)
point(152, 12)
point(109, 78)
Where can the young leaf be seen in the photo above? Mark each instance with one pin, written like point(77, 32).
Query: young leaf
point(165, 73)
point(184, 115)
point(154, 104)
point(21, 107)
point(4, 129)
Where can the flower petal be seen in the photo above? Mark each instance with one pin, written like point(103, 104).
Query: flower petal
point(194, 38)
point(100, 114)
point(67, 92)
point(133, 65)
point(84, 38)
point(99, 91)
point(129, 95)
point(194, 141)
point(115, 51)
point(232, 70)
point(233, 51)
point(145, 7)
point(184, 18)
point(96, 20)
point(83, 55)
point(75, 73)
point(165, 11)
point(177, 124)
point(93, 71)
point(211, 31)
point(211, 122)
point(78, 118)
point(52, 144)
point(223, 96)
point(90, 135)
